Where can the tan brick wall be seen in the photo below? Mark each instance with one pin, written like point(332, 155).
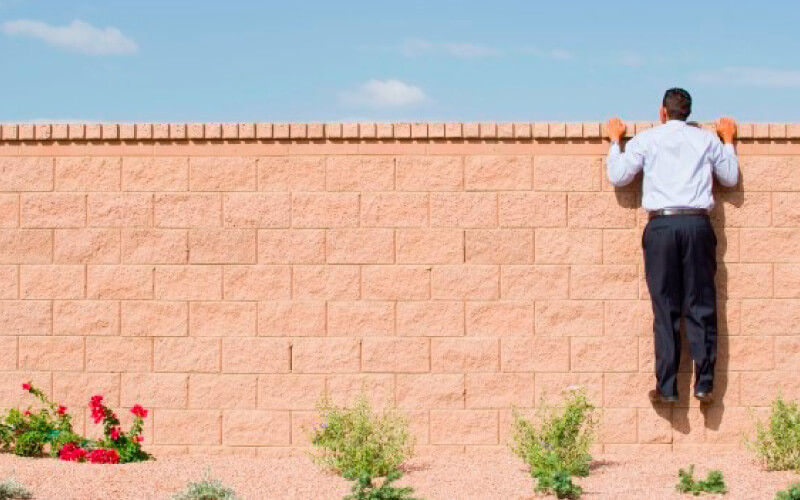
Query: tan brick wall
point(227, 275)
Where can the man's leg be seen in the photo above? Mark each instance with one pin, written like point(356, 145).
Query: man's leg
point(664, 274)
point(700, 298)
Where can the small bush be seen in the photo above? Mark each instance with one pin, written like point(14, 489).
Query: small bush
point(206, 489)
point(364, 488)
point(355, 442)
point(558, 447)
point(790, 493)
point(35, 433)
point(10, 489)
point(713, 483)
point(777, 443)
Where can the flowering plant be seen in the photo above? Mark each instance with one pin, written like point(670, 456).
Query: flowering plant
point(49, 429)
point(36, 432)
point(126, 444)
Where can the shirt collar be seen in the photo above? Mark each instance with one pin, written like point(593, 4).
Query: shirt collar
point(675, 123)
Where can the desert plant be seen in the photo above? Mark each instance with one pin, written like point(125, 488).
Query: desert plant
point(777, 443)
point(790, 493)
point(11, 489)
point(357, 441)
point(206, 489)
point(33, 433)
point(557, 447)
point(713, 483)
point(559, 481)
point(364, 488)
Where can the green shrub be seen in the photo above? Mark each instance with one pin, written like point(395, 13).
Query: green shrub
point(356, 441)
point(558, 447)
point(364, 488)
point(206, 489)
point(777, 443)
point(11, 489)
point(790, 493)
point(35, 433)
point(713, 483)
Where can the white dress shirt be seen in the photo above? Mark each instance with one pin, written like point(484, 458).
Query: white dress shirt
point(678, 160)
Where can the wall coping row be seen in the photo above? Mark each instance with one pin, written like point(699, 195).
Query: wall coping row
point(349, 131)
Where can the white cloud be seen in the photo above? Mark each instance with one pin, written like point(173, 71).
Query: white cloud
point(631, 59)
point(468, 50)
point(384, 94)
point(555, 54)
point(750, 77)
point(78, 36)
point(414, 47)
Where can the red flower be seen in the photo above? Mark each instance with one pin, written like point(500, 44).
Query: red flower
point(114, 432)
point(139, 411)
point(26, 387)
point(138, 439)
point(61, 410)
point(27, 413)
point(103, 456)
point(96, 400)
point(71, 452)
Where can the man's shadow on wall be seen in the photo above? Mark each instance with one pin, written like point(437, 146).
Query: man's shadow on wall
point(679, 414)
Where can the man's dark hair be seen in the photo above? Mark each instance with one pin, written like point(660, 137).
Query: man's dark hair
point(678, 103)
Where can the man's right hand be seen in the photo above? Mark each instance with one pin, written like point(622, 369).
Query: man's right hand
point(616, 129)
point(726, 128)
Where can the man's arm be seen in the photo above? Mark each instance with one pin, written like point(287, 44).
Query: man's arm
point(723, 156)
point(622, 167)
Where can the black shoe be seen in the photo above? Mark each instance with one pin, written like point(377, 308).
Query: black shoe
point(657, 397)
point(704, 396)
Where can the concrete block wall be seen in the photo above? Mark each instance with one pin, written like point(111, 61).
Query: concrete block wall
point(227, 275)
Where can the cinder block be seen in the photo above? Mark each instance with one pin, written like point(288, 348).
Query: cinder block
point(154, 390)
point(222, 246)
point(326, 282)
point(460, 355)
point(473, 427)
point(430, 319)
point(490, 173)
point(26, 173)
point(291, 173)
point(154, 319)
point(255, 355)
point(429, 246)
point(52, 210)
point(183, 210)
point(88, 173)
point(471, 282)
point(325, 355)
point(188, 282)
point(51, 353)
point(396, 282)
point(323, 210)
point(222, 319)
point(360, 246)
point(259, 428)
point(395, 355)
point(360, 173)
point(222, 174)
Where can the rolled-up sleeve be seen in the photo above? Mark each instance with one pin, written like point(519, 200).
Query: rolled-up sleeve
point(724, 163)
point(623, 167)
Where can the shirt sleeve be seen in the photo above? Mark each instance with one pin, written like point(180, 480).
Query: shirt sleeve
point(724, 163)
point(623, 167)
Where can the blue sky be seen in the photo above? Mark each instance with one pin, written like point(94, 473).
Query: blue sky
point(433, 60)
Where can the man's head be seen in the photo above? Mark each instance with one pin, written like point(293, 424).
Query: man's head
point(676, 105)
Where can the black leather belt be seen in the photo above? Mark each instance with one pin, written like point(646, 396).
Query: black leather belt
point(677, 211)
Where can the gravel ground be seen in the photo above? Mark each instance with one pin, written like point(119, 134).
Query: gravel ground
point(461, 477)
